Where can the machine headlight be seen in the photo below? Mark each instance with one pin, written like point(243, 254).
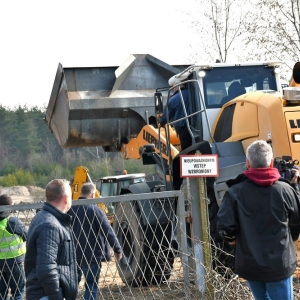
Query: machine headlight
point(296, 137)
point(276, 70)
point(201, 74)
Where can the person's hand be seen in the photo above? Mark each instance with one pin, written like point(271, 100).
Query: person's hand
point(231, 244)
point(118, 256)
point(295, 177)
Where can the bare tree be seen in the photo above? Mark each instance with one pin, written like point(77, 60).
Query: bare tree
point(221, 28)
point(52, 148)
point(274, 29)
point(96, 152)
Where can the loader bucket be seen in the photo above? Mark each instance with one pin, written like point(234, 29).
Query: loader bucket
point(105, 106)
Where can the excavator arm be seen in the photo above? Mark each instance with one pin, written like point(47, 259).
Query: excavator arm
point(82, 176)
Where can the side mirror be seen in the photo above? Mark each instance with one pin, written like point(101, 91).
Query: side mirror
point(158, 102)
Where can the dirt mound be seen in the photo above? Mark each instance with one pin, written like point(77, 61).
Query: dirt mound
point(16, 191)
point(24, 194)
point(36, 191)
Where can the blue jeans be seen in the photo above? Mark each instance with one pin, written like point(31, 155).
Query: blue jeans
point(91, 274)
point(282, 289)
point(12, 276)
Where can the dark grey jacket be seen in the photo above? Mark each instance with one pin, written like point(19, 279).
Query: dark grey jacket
point(261, 218)
point(50, 262)
point(93, 234)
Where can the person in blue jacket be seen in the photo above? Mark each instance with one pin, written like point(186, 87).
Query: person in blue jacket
point(13, 234)
point(93, 235)
point(176, 112)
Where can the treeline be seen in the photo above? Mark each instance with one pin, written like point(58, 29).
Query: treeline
point(31, 155)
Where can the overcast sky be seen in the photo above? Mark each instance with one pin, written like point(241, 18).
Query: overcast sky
point(37, 35)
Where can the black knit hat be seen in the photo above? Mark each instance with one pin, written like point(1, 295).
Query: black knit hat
point(296, 72)
point(5, 200)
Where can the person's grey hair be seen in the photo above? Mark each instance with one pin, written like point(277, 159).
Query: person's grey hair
point(56, 189)
point(259, 154)
point(87, 189)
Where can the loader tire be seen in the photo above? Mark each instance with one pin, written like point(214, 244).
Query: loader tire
point(143, 262)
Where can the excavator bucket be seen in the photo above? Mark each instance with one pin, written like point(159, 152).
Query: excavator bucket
point(106, 106)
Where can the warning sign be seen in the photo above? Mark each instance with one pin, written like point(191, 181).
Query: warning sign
point(199, 165)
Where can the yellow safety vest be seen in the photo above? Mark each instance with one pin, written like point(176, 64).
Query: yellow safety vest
point(11, 245)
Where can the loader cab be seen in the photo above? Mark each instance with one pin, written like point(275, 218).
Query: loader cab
point(113, 185)
point(219, 83)
point(212, 86)
point(222, 82)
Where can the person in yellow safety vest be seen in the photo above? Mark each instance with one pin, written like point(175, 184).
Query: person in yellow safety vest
point(13, 233)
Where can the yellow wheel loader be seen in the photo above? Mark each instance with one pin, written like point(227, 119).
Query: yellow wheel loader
point(117, 108)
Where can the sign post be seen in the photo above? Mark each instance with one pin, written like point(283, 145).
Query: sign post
point(197, 168)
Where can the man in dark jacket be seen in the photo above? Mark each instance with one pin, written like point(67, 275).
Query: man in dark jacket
point(13, 234)
point(50, 262)
point(176, 111)
point(93, 234)
point(256, 215)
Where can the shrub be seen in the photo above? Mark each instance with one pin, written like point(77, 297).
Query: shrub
point(24, 177)
point(8, 180)
point(19, 177)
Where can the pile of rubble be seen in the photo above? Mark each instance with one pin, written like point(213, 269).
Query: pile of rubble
point(24, 194)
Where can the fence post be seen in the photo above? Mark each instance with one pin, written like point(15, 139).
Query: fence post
point(183, 242)
point(204, 218)
point(200, 235)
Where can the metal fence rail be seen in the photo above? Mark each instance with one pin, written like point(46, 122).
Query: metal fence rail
point(158, 255)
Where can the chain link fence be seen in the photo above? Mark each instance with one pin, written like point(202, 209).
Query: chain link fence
point(162, 259)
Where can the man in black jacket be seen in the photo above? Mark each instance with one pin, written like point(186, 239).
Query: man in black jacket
point(50, 262)
point(93, 234)
point(256, 215)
